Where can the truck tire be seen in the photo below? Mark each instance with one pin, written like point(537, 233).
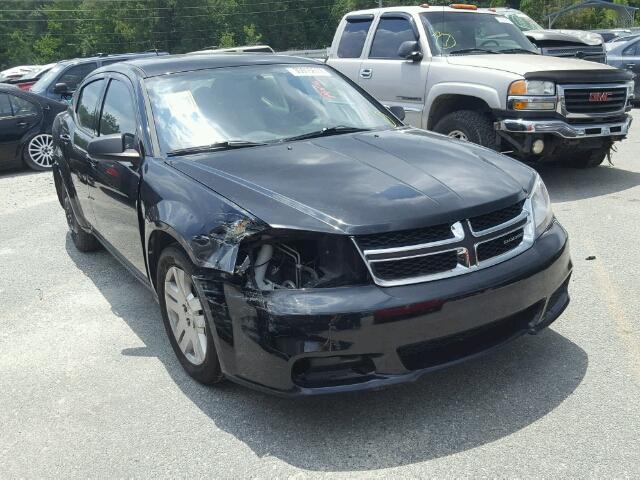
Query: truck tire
point(587, 159)
point(468, 125)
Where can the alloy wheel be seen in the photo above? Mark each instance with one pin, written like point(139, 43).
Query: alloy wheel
point(186, 316)
point(40, 150)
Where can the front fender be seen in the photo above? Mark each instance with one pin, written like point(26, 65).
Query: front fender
point(207, 226)
point(489, 95)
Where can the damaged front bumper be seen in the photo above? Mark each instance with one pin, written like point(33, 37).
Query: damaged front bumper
point(564, 129)
point(317, 341)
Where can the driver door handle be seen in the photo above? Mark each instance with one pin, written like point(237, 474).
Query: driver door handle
point(65, 138)
point(366, 72)
point(22, 124)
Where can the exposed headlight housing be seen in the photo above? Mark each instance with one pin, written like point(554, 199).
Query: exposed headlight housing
point(532, 95)
point(541, 207)
point(631, 88)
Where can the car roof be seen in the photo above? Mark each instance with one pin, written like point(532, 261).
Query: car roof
point(154, 66)
point(418, 9)
point(75, 61)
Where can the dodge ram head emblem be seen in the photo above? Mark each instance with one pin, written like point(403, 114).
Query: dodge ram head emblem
point(599, 96)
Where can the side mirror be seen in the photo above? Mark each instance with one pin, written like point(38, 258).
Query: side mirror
point(398, 111)
point(410, 50)
point(113, 147)
point(61, 88)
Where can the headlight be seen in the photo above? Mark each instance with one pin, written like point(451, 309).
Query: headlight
point(541, 206)
point(631, 86)
point(532, 87)
point(532, 95)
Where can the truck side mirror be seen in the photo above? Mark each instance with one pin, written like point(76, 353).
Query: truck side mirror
point(410, 50)
point(61, 88)
point(398, 111)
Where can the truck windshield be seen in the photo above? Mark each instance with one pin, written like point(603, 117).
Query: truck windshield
point(240, 106)
point(471, 33)
point(522, 21)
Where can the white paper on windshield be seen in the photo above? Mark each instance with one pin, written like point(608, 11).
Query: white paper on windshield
point(308, 71)
point(189, 120)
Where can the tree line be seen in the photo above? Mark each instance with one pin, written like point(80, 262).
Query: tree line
point(43, 31)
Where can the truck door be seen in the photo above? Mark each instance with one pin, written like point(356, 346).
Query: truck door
point(390, 77)
point(350, 49)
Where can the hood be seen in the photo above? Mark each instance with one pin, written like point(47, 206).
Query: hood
point(362, 183)
point(521, 64)
point(570, 37)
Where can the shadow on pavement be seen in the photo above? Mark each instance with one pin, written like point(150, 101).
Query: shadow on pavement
point(449, 411)
point(569, 184)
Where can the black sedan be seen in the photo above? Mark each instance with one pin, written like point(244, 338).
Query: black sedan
point(298, 237)
point(25, 128)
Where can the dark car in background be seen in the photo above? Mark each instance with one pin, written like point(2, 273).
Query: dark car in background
point(61, 81)
point(25, 128)
point(299, 238)
point(557, 43)
point(624, 53)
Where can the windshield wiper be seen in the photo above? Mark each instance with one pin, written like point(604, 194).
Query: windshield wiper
point(462, 51)
point(518, 50)
point(327, 131)
point(227, 145)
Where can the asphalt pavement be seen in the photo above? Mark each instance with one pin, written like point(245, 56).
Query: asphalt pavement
point(89, 385)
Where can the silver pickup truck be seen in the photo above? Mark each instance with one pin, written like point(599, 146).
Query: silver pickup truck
point(473, 75)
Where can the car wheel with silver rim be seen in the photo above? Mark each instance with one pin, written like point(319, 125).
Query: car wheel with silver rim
point(38, 153)
point(185, 318)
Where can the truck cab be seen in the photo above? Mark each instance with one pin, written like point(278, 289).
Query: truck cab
point(474, 75)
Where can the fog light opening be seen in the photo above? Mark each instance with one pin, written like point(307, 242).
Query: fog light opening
point(537, 147)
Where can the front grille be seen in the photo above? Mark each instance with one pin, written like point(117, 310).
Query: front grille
point(499, 245)
point(415, 267)
point(593, 54)
point(493, 219)
point(581, 100)
point(442, 251)
point(455, 347)
point(406, 237)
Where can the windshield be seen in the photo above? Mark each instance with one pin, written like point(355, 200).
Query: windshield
point(258, 103)
point(41, 85)
point(522, 21)
point(462, 33)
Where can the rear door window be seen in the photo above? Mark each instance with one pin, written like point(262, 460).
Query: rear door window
point(73, 76)
point(86, 110)
point(22, 107)
point(390, 34)
point(5, 106)
point(353, 38)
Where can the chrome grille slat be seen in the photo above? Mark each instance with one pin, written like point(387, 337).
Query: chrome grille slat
point(404, 265)
point(574, 100)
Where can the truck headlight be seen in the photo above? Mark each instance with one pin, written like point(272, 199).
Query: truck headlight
point(631, 87)
point(532, 95)
point(541, 206)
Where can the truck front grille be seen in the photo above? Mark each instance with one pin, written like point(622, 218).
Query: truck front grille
point(596, 99)
point(448, 250)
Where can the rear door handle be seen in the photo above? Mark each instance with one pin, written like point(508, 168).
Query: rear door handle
point(366, 72)
point(22, 124)
point(65, 138)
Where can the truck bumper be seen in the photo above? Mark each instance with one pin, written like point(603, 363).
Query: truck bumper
point(564, 129)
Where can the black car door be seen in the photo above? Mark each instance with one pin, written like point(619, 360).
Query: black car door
point(114, 190)
point(10, 132)
point(82, 129)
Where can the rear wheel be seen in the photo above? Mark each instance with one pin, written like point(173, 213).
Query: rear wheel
point(184, 317)
point(38, 152)
point(83, 241)
point(468, 125)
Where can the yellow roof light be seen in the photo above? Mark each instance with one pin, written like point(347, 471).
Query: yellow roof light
point(463, 6)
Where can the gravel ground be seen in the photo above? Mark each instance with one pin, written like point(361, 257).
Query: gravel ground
point(89, 385)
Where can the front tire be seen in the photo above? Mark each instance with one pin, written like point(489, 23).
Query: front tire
point(184, 317)
point(468, 125)
point(38, 152)
point(588, 159)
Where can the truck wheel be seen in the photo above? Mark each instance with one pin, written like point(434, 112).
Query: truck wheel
point(587, 159)
point(83, 241)
point(468, 125)
point(184, 317)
